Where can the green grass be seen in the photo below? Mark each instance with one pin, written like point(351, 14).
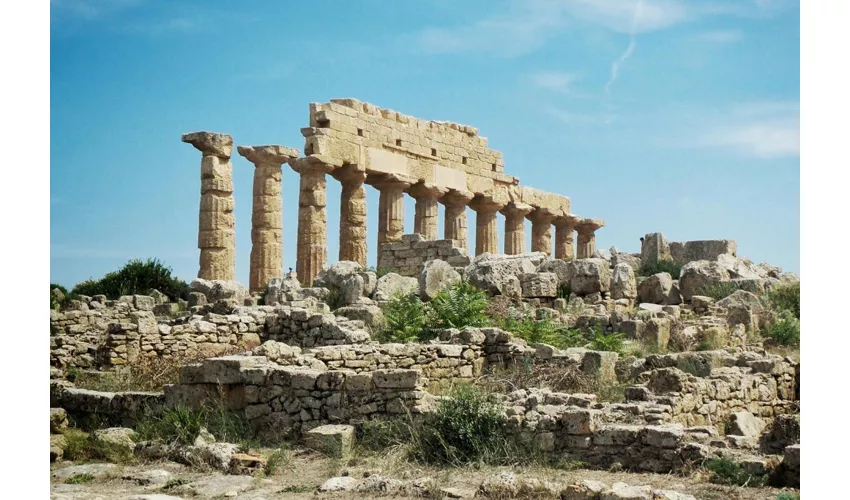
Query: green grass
point(297, 488)
point(727, 472)
point(785, 330)
point(786, 298)
point(79, 479)
point(182, 425)
point(79, 447)
point(788, 496)
point(278, 461)
point(174, 483)
point(662, 266)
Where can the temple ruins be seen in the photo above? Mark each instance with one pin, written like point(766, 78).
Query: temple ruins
point(357, 144)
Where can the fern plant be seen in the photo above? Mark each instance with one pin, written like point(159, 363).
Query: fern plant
point(459, 305)
point(404, 319)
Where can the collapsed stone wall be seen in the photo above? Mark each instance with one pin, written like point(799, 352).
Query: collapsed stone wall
point(407, 256)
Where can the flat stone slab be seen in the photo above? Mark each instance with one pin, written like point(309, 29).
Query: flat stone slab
point(95, 470)
point(218, 486)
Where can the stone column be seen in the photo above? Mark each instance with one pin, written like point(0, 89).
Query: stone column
point(515, 214)
point(352, 214)
point(425, 218)
point(390, 205)
point(486, 231)
point(564, 228)
point(586, 229)
point(267, 213)
point(312, 219)
point(541, 230)
point(454, 227)
point(216, 222)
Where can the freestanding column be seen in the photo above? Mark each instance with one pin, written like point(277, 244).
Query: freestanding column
point(312, 219)
point(486, 231)
point(515, 214)
point(586, 229)
point(216, 222)
point(267, 213)
point(541, 230)
point(352, 214)
point(564, 227)
point(425, 217)
point(454, 227)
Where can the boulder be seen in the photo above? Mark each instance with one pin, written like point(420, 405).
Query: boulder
point(583, 490)
point(653, 248)
point(277, 352)
point(744, 423)
point(370, 314)
point(739, 268)
point(341, 483)
point(559, 267)
point(215, 455)
point(435, 275)
point(352, 289)
point(490, 271)
point(655, 289)
point(656, 333)
point(623, 284)
point(698, 275)
point(97, 471)
point(333, 275)
point(590, 276)
point(216, 290)
point(159, 297)
point(117, 439)
point(57, 446)
point(392, 284)
point(58, 420)
point(335, 441)
point(544, 285)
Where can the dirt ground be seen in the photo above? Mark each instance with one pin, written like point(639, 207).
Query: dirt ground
point(304, 471)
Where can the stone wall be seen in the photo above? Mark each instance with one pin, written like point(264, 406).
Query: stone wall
point(407, 256)
point(689, 251)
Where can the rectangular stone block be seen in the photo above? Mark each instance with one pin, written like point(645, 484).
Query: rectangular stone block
point(396, 379)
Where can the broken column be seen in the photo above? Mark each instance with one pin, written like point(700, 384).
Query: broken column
point(564, 227)
point(267, 213)
point(515, 214)
point(312, 219)
point(352, 214)
point(586, 229)
point(541, 230)
point(454, 226)
point(425, 216)
point(486, 231)
point(216, 222)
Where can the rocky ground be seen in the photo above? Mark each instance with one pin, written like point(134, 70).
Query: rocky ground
point(307, 471)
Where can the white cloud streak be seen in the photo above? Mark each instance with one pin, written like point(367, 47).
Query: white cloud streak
point(764, 130)
point(615, 66)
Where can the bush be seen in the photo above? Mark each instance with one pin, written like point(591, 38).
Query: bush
point(785, 330)
point(182, 425)
point(80, 479)
point(458, 305)
point(662, 266)
point(79, 447)
point(466, 428)
point(278, 461)
point(724, 471)
point(404, 319)
point(720, 290)
point(542, 331)
point(786, 298)
point(136, 277)
point(601, 341)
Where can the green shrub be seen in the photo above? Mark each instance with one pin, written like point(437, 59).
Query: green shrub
point(466, 428)
point(60, 287)
point(720, 290)
point(381, 435)
point(404, 319)
point(662, 266)
point(80, 479)
point(724, 471)
point(80, 447)
point(601, 341)
point(335, 299)
point(785, 330)
point(136, 277)
point(182, 425)
point(786, 298)
point(174, 483)
point(458, 305)
point(542, 331)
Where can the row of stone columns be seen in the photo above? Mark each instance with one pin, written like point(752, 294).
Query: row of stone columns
point(216, 231)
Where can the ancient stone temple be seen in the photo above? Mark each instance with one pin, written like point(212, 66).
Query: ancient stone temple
point(359, 144)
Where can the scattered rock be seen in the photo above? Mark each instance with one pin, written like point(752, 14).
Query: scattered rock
point(335, 441)
point(744, 423)
point(392, 284)
point(342, 483)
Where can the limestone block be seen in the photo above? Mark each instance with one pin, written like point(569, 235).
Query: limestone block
point(490, 272)
point(584, 490)
point(623, 284)
point(744, 423)
point(689, 251)
point(435, 276)
point(118, 439)
point(539, 284)
point(58, 420)
point(590, 276)
point(392, 284)
point(396, 379)
point(335, 441)
point(655, 289)
point(698, 275)
point(653, 248)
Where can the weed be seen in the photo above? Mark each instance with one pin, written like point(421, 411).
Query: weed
point(724, 471)
point(662, 266)
point(334, 298)
point(80, 479)
point(786, 298)
point(296, 488)
point(404, 319)
point(785, 330)
point(788, 496)
point(182, 425)
point(601, 341)
point(174, 483)
point(720, 290)
point(278, 461)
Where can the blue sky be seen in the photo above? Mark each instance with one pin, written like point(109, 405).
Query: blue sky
point(655, 115)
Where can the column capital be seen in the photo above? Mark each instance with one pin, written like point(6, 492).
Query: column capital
point(312, 165)
point(567, 220)
point(427, 190)
point(485, 204)
point(587, 226)
point(273, 155)
point(457, 197)
point(516, 209)
point(541, 215)
point(210, 143)
point(390, 181)
point(349, 174)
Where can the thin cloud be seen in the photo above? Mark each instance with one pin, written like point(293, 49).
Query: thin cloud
point(637, 15)
point(553, 80)
point(619, 15)
point(759, 130)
